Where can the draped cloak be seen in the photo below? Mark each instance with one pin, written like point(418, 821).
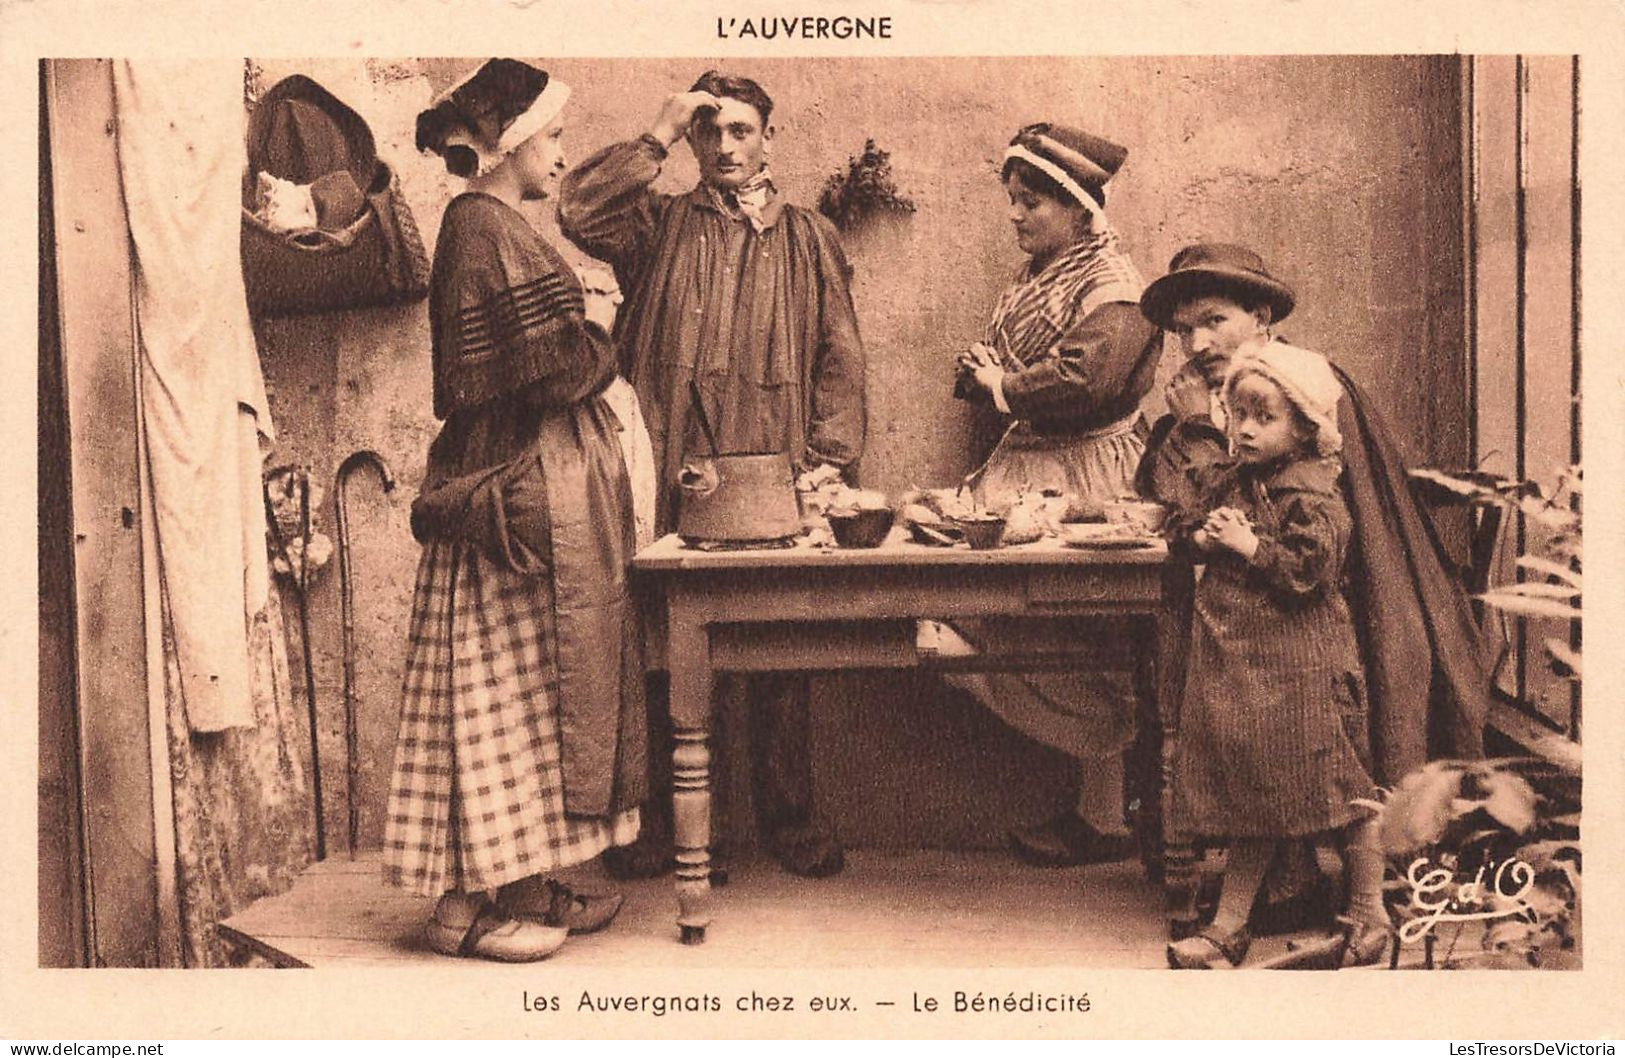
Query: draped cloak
point(1427, 681)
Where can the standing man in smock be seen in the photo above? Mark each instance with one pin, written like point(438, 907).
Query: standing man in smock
point(732, 288)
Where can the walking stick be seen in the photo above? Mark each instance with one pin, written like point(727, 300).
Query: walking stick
point(352, 765)
point(296, 477)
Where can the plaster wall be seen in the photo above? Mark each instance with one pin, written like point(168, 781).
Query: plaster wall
point(1319, 163)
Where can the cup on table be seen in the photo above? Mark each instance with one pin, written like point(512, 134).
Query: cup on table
point(1140, 515)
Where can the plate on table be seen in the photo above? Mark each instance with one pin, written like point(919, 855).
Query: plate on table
point(1106, 536)
point(941, 534)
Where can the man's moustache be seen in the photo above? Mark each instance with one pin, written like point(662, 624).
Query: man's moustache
point(1212, 365)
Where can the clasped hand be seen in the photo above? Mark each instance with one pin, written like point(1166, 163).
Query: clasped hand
point(980, 364)
point(1189, 393)
point(601, 296)
point(1227, 529)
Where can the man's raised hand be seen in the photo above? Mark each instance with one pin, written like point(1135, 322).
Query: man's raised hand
point(678, 114)
point(1188, 394)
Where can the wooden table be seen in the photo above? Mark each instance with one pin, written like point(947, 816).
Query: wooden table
point(807, 608)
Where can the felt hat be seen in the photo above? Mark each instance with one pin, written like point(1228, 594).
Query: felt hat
point(1215, 268)
point(1080, 162)
point(489, 114)
point(1307, 380)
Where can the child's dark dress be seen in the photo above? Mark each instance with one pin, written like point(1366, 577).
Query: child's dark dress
point(1272, 737)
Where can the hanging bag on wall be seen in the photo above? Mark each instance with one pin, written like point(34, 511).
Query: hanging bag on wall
point(325, 225)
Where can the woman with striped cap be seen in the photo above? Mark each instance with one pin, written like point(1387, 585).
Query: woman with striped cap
point(1065, 362)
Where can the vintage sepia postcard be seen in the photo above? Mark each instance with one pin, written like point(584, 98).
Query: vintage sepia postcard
point(899, 520)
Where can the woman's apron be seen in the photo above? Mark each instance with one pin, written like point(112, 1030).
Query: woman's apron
point(1089, 715)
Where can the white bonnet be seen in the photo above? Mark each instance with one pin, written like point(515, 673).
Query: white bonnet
point(1307, 380)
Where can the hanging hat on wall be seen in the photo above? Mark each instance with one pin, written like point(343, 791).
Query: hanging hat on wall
point(1215, 268)
point(1081, 163)
point(489, 114)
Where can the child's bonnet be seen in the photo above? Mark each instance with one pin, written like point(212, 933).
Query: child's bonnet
point(1307, 381)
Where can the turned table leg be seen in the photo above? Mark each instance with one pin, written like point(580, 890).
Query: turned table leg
point(1145, 773)
point(1173, 644)
point(689, 662)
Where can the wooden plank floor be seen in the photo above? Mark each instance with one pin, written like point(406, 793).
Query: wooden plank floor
point(888, 908)
point(892, 908)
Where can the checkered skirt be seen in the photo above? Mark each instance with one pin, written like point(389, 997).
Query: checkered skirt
point(477, 796)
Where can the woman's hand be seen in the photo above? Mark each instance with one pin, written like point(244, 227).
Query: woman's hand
point(678, 114)
point(1230, 529)
point(1188, 394)
point(600, 308)
point(989, 378)
point(600, 294)
point(978, 356)
point(983, 378)
point(982, 354)
point(980, 364)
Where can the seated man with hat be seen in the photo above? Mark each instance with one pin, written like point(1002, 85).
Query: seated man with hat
point(1428, 688)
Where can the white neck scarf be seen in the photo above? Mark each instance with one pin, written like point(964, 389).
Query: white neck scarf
point(749, 199)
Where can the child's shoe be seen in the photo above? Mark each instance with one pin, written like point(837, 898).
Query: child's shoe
point(1366, 942)
point(1210, 949)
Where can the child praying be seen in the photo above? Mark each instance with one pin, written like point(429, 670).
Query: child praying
point(1272, 740)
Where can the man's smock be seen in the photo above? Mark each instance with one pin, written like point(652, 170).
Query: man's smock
point(761, 320)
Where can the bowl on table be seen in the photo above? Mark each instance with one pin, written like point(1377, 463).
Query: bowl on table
point(1141, 514)
point(860, 528)
point(983, 532)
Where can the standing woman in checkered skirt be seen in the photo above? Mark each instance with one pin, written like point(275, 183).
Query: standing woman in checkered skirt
point(521, 747)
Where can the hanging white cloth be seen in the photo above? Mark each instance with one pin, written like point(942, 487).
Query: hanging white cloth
point(639, 456)
point(181, 156)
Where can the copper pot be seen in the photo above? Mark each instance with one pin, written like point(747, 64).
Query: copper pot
point(737, 498)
